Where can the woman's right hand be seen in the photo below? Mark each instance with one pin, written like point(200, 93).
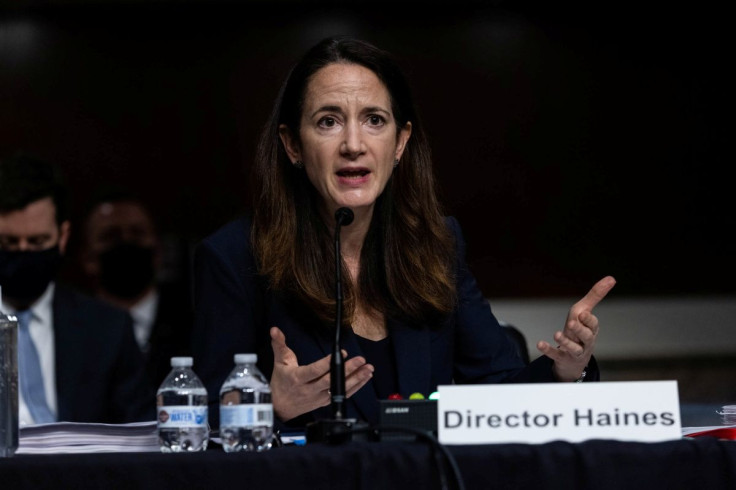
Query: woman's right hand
point(296, 389)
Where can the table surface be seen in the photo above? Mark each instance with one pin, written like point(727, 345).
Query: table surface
point(597, 464)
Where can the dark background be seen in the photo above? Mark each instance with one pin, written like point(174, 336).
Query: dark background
point(570, 141)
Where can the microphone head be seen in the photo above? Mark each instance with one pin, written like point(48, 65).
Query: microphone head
point(344, 216)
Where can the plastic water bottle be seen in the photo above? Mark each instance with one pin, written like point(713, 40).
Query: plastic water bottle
point(246, 412)
point(8, 384)
point(182, 410)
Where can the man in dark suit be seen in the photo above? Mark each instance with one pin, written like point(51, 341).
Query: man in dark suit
point(78, 360)
point(122, 258)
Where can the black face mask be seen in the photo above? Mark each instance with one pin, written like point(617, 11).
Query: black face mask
point(24, 276)
point(126, 269)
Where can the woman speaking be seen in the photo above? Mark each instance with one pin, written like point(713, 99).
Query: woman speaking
point(344, 132)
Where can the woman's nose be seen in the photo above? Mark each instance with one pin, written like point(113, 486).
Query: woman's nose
point(352, 144)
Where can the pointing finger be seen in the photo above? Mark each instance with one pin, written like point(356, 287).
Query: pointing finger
point(596, 293)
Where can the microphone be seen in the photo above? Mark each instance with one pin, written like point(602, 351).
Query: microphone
point(339, 428)
point(343, 217)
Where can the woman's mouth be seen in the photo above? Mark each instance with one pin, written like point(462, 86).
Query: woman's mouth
point(353, 177)
point(352, 174)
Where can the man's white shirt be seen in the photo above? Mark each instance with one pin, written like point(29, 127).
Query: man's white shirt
point(42, 333)
point(144, 314)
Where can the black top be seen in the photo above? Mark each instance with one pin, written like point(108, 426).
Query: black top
point(380, 353)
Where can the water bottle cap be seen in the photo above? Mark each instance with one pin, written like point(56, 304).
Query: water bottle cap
point(246, 358)
point(182, 362)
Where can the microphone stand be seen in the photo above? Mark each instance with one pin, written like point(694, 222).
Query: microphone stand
point(339, 428)
point(343, 216)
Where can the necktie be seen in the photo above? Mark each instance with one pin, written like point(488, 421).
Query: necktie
point(29, 372)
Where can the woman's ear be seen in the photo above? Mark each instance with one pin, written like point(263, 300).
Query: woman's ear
point(291, 145)
point(403, 139)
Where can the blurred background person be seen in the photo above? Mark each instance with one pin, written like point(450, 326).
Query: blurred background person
point(122, 258)
point(77, 357)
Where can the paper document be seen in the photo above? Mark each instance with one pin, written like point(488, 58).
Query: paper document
point(74, 437)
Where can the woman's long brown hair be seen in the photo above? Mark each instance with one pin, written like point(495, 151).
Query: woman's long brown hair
point(407, 265)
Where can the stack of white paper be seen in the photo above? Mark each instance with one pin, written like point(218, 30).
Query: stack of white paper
point(73, 437)
point(728, 414)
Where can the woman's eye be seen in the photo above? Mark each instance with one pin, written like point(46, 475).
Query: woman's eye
point(327, 122)
point(375, 120)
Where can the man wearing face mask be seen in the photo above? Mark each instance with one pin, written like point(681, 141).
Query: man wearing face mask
point(77, 357)
point(122, 257)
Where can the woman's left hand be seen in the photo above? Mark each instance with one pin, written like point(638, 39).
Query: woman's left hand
point(576, 341)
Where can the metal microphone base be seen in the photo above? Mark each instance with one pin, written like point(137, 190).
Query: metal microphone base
point(337, 431)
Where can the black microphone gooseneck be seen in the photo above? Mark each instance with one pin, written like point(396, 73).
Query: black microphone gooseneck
point(343, 217)
point(339, 428)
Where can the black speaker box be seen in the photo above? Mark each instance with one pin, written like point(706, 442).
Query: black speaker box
point(412, 414)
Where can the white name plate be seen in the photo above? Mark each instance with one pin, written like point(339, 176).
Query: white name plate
point(644, 411)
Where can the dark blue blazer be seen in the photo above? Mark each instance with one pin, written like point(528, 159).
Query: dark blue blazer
point(234, 312)
point(99, 367)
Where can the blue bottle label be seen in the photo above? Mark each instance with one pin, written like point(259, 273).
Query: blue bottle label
point(175, 416)
point(246, 415)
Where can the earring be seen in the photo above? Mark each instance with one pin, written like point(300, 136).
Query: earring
point(299, 164)
point(396, 163)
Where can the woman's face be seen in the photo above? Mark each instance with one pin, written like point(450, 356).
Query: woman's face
point(348, 136)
